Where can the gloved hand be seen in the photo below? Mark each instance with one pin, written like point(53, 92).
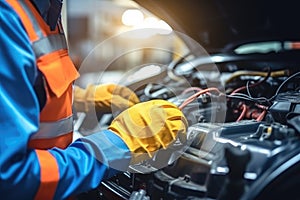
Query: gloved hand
point(149, 126)
point(104, 98)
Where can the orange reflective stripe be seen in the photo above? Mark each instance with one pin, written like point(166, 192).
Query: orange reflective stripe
point(37, 19)
point(60, 142)
point(49, 175)
point(43, 25)
point(25, 19)
point(25, 5)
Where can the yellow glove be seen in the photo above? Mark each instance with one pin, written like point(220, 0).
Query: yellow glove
point(149, 126)
point(104, 98)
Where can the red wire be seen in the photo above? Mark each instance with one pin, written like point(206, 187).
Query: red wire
point(239, 89)
point(244, 111)
point(194, 96)
point(191, 89)
point(244, 107)
point(253, 85)
point(261, 116)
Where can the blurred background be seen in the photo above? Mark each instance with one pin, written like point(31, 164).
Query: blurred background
point(104, 37)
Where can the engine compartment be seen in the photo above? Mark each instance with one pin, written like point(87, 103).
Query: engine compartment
point(243, 136)
point(238, 87)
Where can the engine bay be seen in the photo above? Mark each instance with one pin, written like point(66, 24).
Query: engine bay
point(243, 135)
point(239, 88)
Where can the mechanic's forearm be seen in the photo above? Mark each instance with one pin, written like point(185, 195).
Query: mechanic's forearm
point(89, 160)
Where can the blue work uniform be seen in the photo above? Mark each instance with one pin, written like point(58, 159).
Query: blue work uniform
point(81, 166)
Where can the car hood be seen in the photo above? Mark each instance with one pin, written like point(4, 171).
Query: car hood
point(222, 25)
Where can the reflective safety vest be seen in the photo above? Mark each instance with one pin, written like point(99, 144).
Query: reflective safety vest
point(59, 73)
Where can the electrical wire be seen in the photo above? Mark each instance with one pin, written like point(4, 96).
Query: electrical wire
point(191, 89)
point(236, 95)
point(282, 84)
point(237, 74)
point(261, 116)
point(252, 85)
point(257, 99)
point(243, 113)
point(265, 79)
point(242, 96)
point(194, 96)
point(247, 87)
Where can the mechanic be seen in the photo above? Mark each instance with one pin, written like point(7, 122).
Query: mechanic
point(37, 156)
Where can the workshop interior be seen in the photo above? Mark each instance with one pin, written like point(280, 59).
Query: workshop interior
point(232, 67)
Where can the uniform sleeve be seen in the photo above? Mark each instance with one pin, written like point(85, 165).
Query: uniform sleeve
point(81, 166)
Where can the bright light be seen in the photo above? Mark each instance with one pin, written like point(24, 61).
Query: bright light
point(150, 22)
point(165, 28)
point(161, 26)
point(144, 27)
point(132, 17)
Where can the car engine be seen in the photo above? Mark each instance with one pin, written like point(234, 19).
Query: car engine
point(240, 92)
point(243, 135)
